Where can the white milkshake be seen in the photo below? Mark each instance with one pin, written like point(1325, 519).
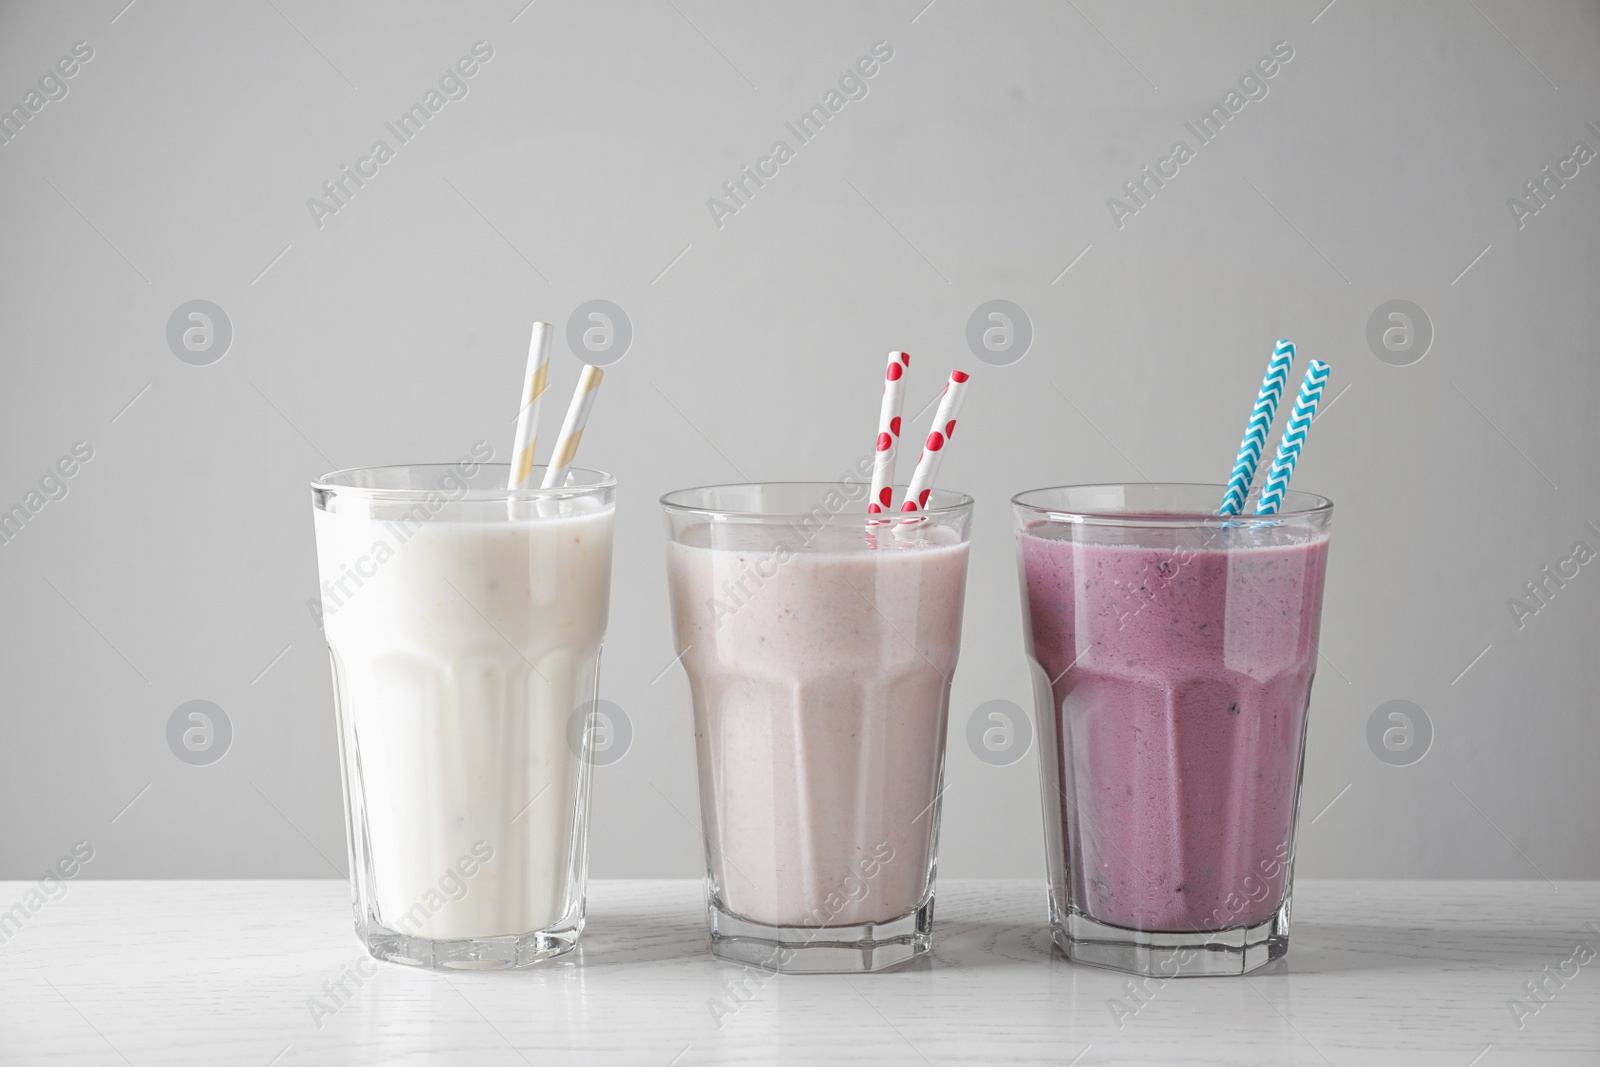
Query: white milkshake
point(463, 642)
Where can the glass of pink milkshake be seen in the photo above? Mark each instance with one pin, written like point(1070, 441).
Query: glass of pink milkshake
point(819, 646)
point(1172, 653)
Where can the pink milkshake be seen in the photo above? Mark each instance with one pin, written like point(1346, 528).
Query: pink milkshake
point(819, 651)
point(1173, 655)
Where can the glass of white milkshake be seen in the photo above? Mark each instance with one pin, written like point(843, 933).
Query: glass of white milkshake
point(819, 645)
point(464, 620)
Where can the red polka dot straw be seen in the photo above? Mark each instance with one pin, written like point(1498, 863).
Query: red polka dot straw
point(894, 391)
point(934, 448)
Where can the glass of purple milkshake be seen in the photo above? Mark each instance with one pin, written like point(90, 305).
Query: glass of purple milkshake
point(1172, 653)
point(819, 644)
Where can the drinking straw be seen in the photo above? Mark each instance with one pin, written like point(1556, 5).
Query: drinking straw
point(1294, 438)
point(1255, 433)
point(894, 391)
point(572, 426)
point(533, 386)
point(944, 428)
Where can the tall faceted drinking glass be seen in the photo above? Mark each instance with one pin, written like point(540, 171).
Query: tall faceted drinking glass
point(1172, 653)
point(464, 621)
point(819, 648)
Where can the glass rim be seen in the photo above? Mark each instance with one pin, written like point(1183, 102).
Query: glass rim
point(962, 502)
point(1298, 506)
point(339, 481)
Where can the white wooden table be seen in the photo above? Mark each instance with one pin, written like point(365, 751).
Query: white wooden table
point(224, 973)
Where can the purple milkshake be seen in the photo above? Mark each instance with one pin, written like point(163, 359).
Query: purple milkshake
point(1173, 655)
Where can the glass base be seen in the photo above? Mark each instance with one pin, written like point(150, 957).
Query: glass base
point(469, 953)
point(1235, 950)
point(821, 949)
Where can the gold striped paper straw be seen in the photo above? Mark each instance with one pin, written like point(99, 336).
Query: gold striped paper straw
point(577, 418)
point(533, 387)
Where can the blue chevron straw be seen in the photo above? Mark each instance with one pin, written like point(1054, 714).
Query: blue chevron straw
point(1294, 438)
point(1255, 434)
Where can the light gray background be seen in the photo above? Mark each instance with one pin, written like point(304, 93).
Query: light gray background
point(978, 167)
